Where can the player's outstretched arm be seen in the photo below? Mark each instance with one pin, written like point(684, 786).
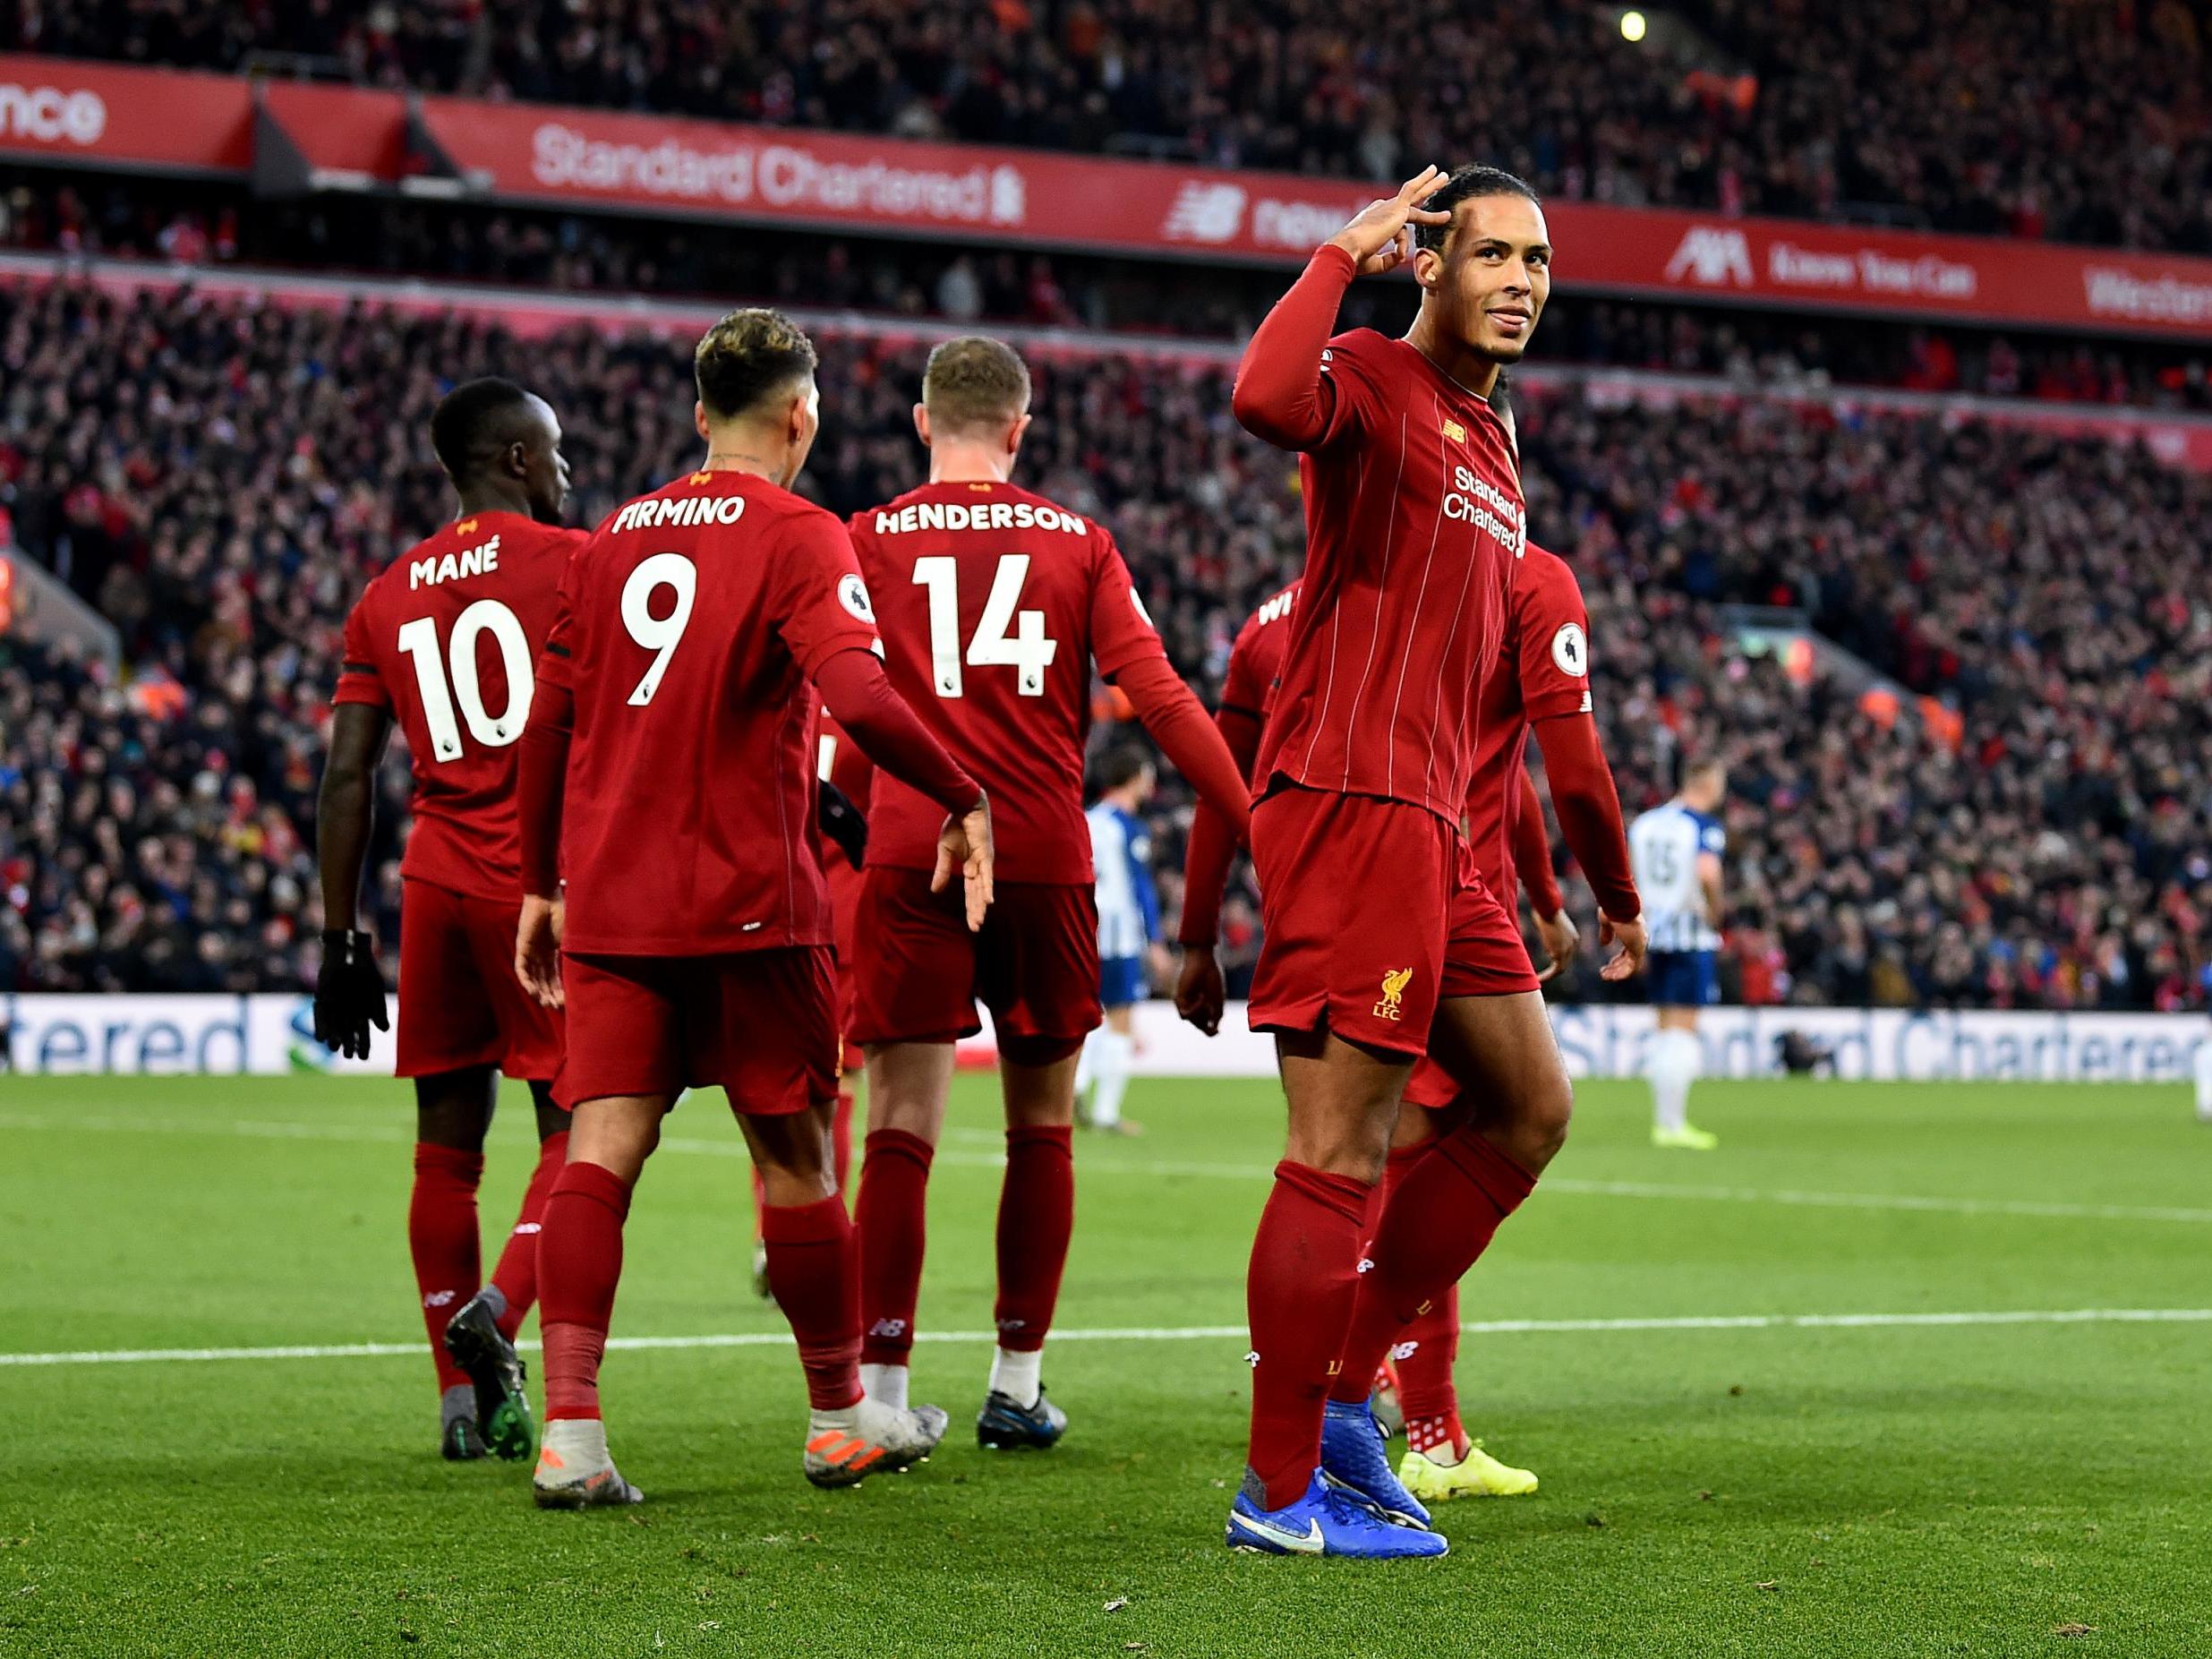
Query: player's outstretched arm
point(541, 777)
point(1280, 393)
point(1589, 809)
point(1532, 863)
point(349, 990)
point(1201, 995)
point(1189, 738)
point(861, 699)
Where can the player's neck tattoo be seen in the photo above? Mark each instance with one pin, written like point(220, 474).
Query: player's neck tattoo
point(725, 460)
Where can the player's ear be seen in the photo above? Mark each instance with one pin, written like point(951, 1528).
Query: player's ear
point(698, 418)
point(1017, 431)
point(921, 423)
point(1428, 266)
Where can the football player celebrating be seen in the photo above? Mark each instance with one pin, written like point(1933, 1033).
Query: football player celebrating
point(442, 645)
point(995, 605)
point(1380, 945)
point(668, 773)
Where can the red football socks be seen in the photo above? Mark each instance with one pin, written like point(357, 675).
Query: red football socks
point(1298, 1292)
point(442, 1238)
point(814, 1269)
point(840, 1150)
point(517, 1274)
point(1442, 1217)
point(579, 1264)
point(1424, 1354)
point(1036, 1218)
point(890, 1217)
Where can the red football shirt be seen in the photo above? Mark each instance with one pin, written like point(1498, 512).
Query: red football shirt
point(995, 603)
point(1256, 657)
point(689, 627)
point(1542, 671)
point(1414, 523)
point(446, 639)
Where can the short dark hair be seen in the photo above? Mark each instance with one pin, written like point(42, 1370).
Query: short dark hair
point(1122, 763)
point(1466, 184)
point(472, 422)
point(746, 357)
point(974, 381)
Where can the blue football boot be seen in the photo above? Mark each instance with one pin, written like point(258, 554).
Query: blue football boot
point(1325, 1521)
point(1356, 1459)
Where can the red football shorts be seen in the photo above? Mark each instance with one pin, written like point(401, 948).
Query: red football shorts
point(1484, 956)
point(762, 1024)
point(1431, 1087)
point(1371, 917)
point(1354, 897)
point(460, 1003)
point(1034, 964)
point(845, 888)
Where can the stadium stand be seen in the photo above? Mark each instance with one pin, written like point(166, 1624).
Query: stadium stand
point(2026, 818)
point(575, 253)
point(2054, 119)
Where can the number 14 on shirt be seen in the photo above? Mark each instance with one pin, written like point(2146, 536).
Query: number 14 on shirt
point(1028, 650)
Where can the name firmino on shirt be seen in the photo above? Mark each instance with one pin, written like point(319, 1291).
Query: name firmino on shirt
point(656, 511)
point(983, 515)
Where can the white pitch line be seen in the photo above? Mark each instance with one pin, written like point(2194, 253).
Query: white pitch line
point(1203, 1333)
point(1155, 1169)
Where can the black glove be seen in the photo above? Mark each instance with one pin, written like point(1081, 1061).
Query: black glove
point(349, 993)
point(841, 822)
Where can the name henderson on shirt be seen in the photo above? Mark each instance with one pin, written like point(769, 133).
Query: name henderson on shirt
point(980, 515)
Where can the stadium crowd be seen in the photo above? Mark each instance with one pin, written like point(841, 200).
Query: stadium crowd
point(613, 255)
point(2062, 120)
point(565, 252)
point(220, 479)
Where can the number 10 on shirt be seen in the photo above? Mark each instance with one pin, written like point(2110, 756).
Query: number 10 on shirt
point(1028, 650)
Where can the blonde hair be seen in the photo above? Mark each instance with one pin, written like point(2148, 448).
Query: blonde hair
point(748, 356)
point(974, 382)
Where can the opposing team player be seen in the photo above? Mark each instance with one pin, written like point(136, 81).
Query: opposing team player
point(443, 643)
point(1677, 850)
point(1129, 931)
point(669, 775)
point(996, 605)
point(1378, 944)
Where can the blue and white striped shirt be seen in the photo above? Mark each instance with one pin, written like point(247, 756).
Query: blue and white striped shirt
point(1129, 906)
point(1663, 845)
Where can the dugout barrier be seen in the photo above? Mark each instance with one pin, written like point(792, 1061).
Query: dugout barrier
point(272, 1034)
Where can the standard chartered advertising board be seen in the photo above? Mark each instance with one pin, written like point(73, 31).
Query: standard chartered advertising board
point(271, 1034)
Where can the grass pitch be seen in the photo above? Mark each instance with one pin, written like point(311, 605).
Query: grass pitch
point(1720, 1477)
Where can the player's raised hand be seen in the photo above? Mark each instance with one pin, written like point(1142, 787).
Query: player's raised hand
point(1200, 993)
point(1381, 236)
point(1630, 936)
point(1561, 939)
point(537, 947)
point(964, 844)
point(349, 993)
